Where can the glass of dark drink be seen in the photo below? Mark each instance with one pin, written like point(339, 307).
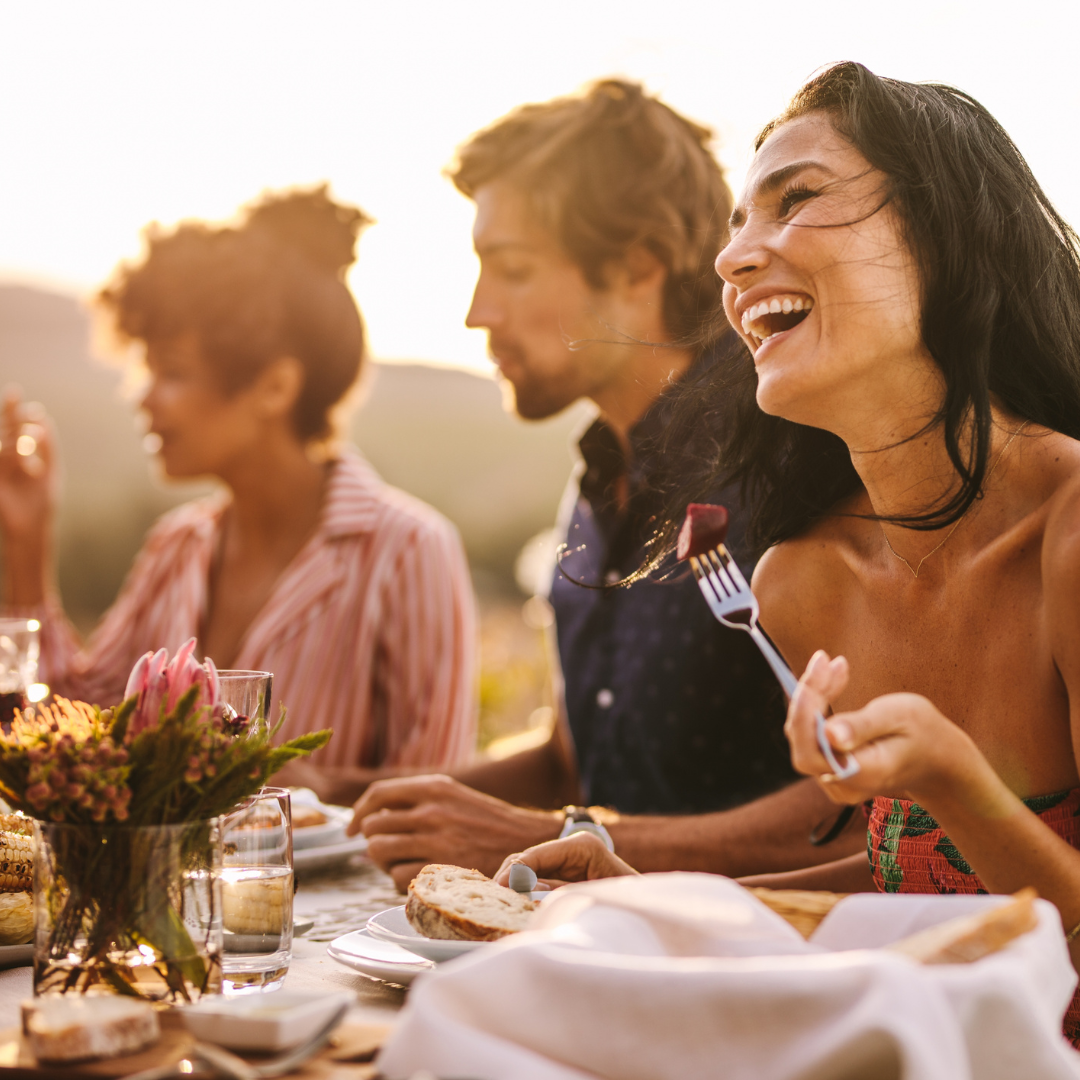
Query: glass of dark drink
point(20, 646)
point(244, 698)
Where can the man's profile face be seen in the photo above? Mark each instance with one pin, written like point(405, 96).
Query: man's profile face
point(546, 327)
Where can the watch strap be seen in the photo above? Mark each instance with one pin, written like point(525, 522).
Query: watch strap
point(580, 819)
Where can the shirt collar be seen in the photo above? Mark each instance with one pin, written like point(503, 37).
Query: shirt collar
point(353, 497)
point(602, 454)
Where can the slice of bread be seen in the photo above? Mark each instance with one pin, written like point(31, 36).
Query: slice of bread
point(455, 904)
point(304, 817)
point(971, 937)
point(804, 909)
point(76, 1028)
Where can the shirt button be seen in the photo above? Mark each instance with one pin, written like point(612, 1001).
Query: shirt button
point(605, 698)
point(612, 577)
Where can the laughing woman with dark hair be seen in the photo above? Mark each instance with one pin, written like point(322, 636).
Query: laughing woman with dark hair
point(356, 596)
point(908, 415)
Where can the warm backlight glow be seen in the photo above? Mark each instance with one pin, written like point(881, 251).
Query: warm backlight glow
point(117, 113)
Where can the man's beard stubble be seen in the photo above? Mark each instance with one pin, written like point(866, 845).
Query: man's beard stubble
point(531, 400)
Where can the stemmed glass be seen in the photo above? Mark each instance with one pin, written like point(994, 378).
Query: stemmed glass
point(20, 646)
point(245, 697)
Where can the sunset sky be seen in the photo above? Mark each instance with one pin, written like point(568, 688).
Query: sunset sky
point(113, 114)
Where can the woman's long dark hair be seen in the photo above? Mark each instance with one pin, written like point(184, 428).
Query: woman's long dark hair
point(1000, 273)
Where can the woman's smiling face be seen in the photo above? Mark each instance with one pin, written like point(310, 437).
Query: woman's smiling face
point(820, 283)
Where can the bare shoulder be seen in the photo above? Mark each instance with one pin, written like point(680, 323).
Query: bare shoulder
point(799, 581)
point(1058, 465)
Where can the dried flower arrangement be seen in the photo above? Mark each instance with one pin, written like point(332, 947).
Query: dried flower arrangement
point(169, 757)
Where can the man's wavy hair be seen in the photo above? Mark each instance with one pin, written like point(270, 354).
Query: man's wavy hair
point(608, 170)
point(1000, 273)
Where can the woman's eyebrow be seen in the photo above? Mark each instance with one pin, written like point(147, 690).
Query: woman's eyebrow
point(776, 179)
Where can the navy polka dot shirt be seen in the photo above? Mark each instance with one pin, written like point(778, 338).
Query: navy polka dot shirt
point(670, 711)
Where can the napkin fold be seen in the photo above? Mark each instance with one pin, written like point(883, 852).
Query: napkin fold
point(688, 975)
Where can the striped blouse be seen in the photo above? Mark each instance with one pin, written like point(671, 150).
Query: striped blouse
point(370, 630)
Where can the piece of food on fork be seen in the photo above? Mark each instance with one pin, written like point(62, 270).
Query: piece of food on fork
point(705, 527)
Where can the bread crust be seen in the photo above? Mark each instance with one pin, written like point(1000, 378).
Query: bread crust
point(432, 919)
point(971, 937)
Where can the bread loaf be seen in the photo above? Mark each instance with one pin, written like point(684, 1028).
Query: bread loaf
point(971, 937)
point(76, 1028)
point(454, 904)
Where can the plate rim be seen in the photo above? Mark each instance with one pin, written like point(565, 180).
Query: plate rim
point(354, 845)
point(401, 973)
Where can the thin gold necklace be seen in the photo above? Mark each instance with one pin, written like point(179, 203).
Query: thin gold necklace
point(948, 536)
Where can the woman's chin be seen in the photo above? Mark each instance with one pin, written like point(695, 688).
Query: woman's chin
point(794, 396)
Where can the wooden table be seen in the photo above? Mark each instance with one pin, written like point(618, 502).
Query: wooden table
point(339, 900)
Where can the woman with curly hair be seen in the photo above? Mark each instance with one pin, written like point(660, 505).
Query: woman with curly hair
point(356, 596)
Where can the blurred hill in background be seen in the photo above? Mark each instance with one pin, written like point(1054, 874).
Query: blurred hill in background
point(439, 433)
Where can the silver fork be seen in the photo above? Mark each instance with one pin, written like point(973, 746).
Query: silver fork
point(734, 604)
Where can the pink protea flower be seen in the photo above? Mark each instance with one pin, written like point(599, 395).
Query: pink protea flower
point(162, 683)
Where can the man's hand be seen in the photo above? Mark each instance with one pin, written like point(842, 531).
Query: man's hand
point(581, 856)
point(413, 821)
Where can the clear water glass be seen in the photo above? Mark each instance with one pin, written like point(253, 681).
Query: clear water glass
point(20, 646)
point(245, 696)
point(257, 893)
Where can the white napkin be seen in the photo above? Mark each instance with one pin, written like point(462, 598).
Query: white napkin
point(688, 975)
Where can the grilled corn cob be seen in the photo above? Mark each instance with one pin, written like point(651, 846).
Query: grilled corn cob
point(16, 854)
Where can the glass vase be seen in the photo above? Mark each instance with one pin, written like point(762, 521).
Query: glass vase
point(130, 910)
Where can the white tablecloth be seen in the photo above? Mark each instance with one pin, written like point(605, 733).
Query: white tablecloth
point(688, 975)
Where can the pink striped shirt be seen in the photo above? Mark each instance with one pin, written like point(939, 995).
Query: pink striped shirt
point(370, 630)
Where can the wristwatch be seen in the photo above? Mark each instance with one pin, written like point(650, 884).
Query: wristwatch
point(580, 819)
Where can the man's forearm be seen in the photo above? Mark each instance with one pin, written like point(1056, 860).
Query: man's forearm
point(537, 778)
point(769, 835)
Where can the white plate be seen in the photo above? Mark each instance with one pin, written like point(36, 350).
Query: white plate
point(377, 959)
point(318, 858)
point(326, 835)
point(392, 926)
point(263, 1021)
point(16, 955)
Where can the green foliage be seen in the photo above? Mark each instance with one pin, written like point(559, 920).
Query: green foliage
point(75, 763)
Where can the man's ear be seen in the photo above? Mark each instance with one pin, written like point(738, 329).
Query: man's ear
point(639, 275)
point(278, 387)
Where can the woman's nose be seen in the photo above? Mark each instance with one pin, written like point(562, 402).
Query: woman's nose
point(745, 255)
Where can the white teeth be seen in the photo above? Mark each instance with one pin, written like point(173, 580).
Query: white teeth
point(774, 306)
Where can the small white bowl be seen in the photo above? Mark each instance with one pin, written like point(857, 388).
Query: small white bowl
point(268, 1022)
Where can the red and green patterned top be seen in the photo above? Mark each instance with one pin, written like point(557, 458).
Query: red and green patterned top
point(910, 853)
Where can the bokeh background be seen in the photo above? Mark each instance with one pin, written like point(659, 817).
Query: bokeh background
point(114, 114)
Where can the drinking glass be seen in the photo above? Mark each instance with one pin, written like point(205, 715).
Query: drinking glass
point(257, 893)
point(20, 645)
point(246, 697)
